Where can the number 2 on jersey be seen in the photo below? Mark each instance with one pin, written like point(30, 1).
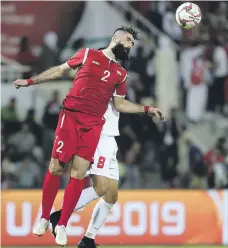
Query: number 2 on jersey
point(107, 74)
point(101, 162)
point(60, 143)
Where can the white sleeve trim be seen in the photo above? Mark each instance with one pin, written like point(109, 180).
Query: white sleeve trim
point(68, 65)
point(124, 78)
point(114, 94)
point(119, 95)
point(85, 56)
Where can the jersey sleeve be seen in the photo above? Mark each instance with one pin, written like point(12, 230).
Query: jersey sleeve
point(78, 59)
point(121, 88)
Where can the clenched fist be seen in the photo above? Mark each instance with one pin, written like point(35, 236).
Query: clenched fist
point(20, 83)
point(157, 112)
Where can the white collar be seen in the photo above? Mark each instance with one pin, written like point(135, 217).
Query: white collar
point(106, 55)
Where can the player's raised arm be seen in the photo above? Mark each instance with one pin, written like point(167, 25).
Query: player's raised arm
point(124, 106)
point(54, 72)
point(50, 74)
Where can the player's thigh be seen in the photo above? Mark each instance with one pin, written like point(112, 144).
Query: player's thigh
point(88, 138)
point(84, 152)
point(114, 168)
point(79, 167)
point(111, 195)
point(65, 138)
point(100, 184)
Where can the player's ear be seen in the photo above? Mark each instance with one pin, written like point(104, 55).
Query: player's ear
point(115, 39)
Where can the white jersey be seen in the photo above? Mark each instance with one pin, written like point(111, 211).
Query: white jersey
point(111, 126)
point(105, 161)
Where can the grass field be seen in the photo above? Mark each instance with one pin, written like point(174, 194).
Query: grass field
point(120, 246)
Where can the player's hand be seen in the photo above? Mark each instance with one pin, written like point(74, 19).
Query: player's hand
point(20, 83)
point(157, 112)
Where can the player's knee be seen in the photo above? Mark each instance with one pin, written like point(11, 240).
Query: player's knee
point(79, 167)
point(101, 188)
point(55, 168)
point(114, 198)
point(111, 197)
point(55, 171)
point(77, 173)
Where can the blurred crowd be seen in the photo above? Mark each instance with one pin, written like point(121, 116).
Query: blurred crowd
point(26, 145)
point(148, 149)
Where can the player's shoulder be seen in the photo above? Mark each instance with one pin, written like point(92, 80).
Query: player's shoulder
point(82, 50)
point(93, 51)
point(80, 53)
point(86, 50)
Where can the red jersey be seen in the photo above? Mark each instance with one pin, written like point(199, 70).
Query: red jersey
point(97, 80)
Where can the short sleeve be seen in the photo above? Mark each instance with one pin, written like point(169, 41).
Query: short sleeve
point(121, 89)
point(78, 59)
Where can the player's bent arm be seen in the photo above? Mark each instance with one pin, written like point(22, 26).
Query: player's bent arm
point(124, 106)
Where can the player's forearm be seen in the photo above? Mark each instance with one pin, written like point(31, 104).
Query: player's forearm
point(129, 107)
point(50, 74)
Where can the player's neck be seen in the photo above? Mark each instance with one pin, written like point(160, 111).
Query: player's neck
point(109, 54)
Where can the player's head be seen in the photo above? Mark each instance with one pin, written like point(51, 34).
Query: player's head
point(122, 41)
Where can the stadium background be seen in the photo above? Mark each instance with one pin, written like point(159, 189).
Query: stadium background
point(173, 175)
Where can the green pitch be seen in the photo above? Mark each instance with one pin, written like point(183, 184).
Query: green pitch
point(120, 246)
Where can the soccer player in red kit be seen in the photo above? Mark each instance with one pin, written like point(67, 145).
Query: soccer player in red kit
point(99, 77)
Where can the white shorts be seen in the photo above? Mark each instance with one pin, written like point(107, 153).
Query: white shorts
point(105, 162)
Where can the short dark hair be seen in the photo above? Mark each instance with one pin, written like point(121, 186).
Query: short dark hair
point(129, 30)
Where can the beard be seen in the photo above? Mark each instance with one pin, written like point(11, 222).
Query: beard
point(121, 53)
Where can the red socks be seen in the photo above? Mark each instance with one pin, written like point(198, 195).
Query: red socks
point(71, 197)
point(50, 189)
point(72, 194)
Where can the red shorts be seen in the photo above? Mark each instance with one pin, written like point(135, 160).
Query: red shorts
point(76, 134)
